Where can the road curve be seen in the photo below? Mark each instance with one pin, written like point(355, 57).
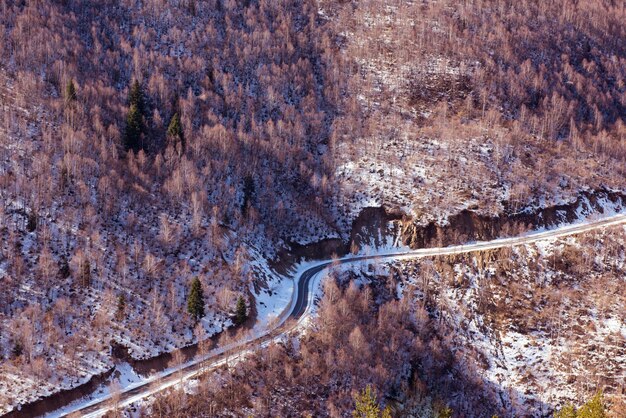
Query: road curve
point(299, 310)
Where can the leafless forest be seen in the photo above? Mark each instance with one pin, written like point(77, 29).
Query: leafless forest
point(145, 144)
point(424, 333)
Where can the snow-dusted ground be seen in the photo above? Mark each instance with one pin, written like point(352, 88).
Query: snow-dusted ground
point(539, 354)
point(407, 169)
point(433, 158)
point(383, 256)
point(277, 295)
point(272, 306)
point(534, 372)
point(272, 299)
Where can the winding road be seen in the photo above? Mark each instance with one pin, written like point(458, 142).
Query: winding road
point(299, 311)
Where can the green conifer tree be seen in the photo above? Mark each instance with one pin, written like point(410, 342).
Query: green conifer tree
point(195, 301)
point(366, 406)
point(175, 130)
point(135, 119)
point(70, 92)
point(446, 412)
point(134, 129)
point(241, 312)
point(136, 97)
point(594, 408)
point(568, 411)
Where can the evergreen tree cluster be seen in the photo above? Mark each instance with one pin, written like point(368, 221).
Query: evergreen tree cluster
point(366, 405)
point(135, 119)
point(136, 122)
point(594, 408)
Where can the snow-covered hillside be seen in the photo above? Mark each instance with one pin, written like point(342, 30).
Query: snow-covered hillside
point(542, 324)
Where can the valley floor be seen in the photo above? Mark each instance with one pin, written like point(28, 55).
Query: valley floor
point(500, 301)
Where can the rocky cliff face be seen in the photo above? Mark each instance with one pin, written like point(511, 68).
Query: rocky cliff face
point(378, 227)
point(469, 226)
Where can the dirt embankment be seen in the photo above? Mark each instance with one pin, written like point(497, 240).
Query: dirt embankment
point(375, 225)
point(59, 399)
point(371, 227)
point(469, 226)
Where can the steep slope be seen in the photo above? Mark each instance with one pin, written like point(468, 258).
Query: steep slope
point(98, 244)
point(262, 127)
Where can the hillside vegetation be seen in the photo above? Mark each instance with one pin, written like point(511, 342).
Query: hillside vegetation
point(144, 145)
point(509, 332)
point(487, 105)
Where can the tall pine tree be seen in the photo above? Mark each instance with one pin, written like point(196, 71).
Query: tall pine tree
point(241, 312)
point(594, 408)
point(195, 301)
point(175, 131)
point(134, 129)
point(135, 119)
point(136, 97)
